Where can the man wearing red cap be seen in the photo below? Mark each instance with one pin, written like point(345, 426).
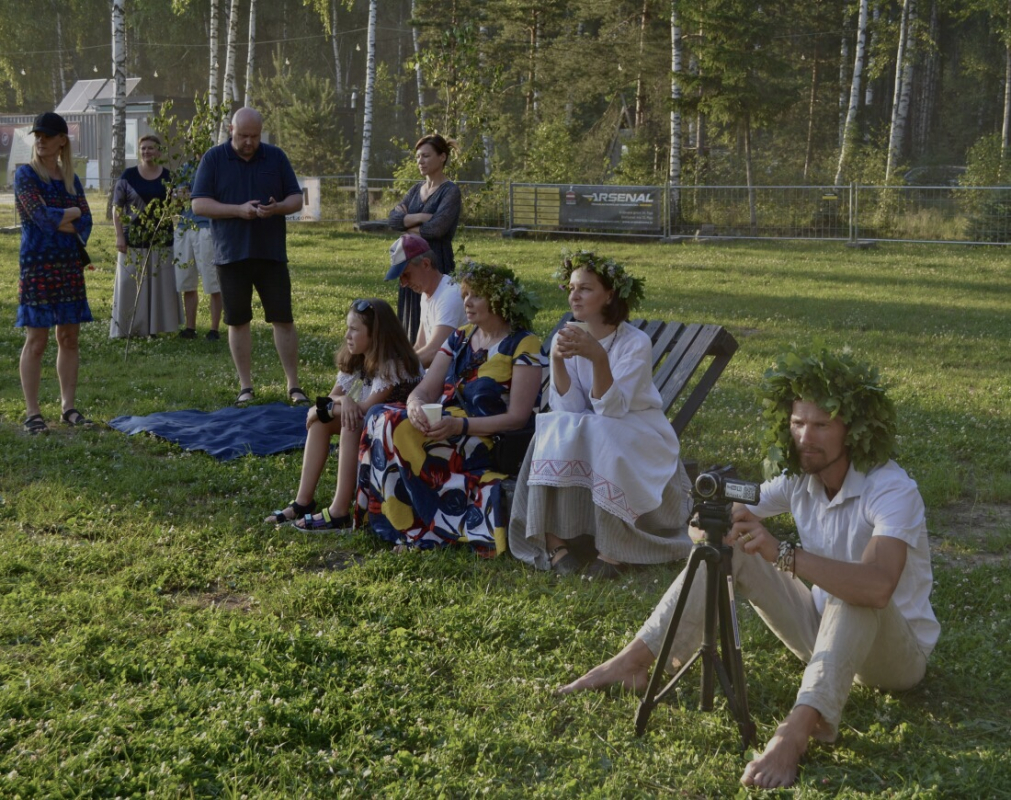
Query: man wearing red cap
point(412, 262)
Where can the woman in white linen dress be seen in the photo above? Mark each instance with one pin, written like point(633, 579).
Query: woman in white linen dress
point(604, 462)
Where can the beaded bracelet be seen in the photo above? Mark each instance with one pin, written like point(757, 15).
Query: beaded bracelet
point(786, 559)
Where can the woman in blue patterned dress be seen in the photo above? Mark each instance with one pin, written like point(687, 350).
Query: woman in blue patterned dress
point(428, 484)
point(55, 220)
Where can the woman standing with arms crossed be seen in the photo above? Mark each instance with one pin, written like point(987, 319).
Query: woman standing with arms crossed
point(430, 209)
point(55, 220)
point(144, 298)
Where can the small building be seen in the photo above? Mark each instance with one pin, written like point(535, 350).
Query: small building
point(87, 108)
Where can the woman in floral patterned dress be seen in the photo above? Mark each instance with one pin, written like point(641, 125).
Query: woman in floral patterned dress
point(427, 484)
point(55, 220)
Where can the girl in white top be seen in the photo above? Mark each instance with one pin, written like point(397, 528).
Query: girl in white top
point(376, 365)
point(604, 462)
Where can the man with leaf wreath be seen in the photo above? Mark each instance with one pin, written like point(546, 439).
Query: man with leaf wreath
point(863, 548)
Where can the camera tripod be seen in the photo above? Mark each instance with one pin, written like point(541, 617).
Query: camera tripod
point(728, 666)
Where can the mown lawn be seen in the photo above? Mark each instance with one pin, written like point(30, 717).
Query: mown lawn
point(157, 640)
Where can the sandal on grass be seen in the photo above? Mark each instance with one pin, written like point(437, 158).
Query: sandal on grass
point(301, 400)
point(245, 397)
point(298, 510)
point(323, 522)
point(35, 424)
point(76, 419)
point(568, 564)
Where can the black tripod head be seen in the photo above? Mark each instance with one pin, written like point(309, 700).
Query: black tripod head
point(715, 493)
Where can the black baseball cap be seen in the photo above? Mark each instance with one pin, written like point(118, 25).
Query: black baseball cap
point(50, 123)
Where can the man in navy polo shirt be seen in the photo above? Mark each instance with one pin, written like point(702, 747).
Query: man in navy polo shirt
point(246, 188)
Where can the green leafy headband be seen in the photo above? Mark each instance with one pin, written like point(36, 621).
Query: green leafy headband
point(506, 296)
point(629, 288)
point(838, 384)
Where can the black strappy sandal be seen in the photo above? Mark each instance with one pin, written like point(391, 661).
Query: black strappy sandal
point(566, 565)
point(280, 518)
point(75, 419)
point(35, 425)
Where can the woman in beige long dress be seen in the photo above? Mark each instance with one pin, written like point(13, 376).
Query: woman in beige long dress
point(144, 298)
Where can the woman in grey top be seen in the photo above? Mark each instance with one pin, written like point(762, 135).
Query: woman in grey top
point(430, 209)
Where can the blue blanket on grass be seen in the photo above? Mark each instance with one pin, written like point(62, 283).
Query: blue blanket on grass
point(227, 433)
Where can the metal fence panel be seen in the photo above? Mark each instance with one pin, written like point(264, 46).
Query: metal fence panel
point(774, 212)
point(484, 205)
point(963, 215)
point(938, 214)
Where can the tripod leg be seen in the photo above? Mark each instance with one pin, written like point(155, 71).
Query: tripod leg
point(732, 672)
point(653, 692)
point(709, 654)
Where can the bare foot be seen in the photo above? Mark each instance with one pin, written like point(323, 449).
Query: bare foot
point(777, 766)
point(630, 668)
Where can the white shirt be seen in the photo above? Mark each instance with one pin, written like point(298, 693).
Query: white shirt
point(444, 307)
point(358, 387)
point(882, 502)
point(619, 446)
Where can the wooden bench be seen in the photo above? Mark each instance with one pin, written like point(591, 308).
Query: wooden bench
point(679, 351)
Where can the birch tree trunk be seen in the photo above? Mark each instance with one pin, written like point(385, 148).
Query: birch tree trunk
point(812, 104)
point(228, 92)
point(487, 145)
point(849, 134)
point(418, 76)
point(212, 72)
point(338, 81)
point(701, 132)
point(749, 172)
point(1005, 131)
point(119, 94)
point(640, 83)
point(370, 82)
point(844, 60)
point(531, 93)
point(903, 83)
point(251, 54)
point(62, 76)
point(674, 163)
point(871, 39)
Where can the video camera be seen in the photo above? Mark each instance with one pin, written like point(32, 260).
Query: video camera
point(720, 485)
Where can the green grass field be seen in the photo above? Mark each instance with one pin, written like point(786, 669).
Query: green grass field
point(156, 640)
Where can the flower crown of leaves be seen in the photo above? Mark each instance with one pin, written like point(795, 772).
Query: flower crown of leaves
point(837, 383)
point(626, 286)
point(506, 296)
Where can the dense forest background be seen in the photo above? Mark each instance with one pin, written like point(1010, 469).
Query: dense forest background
point(629, 91)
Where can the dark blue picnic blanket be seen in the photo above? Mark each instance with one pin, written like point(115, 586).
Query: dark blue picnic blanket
point(227, 433)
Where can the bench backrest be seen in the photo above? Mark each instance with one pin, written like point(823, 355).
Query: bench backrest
point(679, 351)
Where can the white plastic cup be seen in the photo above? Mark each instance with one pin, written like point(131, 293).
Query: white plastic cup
point(583, 326)
point(433, 411)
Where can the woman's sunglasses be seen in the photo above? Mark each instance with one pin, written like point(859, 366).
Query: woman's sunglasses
point(361, 306)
